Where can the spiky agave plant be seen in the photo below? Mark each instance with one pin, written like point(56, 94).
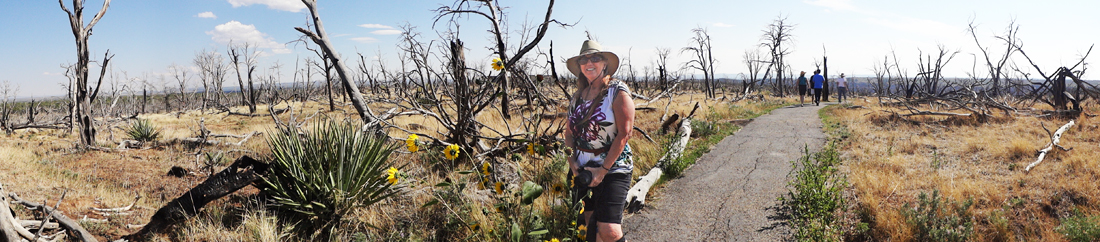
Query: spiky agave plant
point(143, 131)
point(319, 176)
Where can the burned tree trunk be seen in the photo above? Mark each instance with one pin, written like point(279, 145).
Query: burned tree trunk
point(82, 96)
point(243, 172)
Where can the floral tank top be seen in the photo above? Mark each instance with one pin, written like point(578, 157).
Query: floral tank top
point(600, 130)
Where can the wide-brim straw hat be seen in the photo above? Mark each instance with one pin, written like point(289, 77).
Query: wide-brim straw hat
point(592, 47)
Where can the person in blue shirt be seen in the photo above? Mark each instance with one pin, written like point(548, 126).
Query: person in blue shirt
point(818, 81)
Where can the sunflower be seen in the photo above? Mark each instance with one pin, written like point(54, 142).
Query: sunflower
point(557, 188)
point(582, 231)
point(451, 151)
point(411, 142)
point(499, 187)
point(498, 64)
point(485, 168)
point(531, 148)
point(392, 177)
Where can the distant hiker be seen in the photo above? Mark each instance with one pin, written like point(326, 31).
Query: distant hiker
point(802, 88)
point(841, 88)
point(601, 117)
point(818, 82)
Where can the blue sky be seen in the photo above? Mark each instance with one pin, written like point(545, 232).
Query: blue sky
point(147, 37)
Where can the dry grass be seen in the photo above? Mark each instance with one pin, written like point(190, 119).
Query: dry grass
point(38, 164)
point(891, 162)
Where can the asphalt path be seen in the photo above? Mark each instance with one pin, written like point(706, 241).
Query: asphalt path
point(730, 193)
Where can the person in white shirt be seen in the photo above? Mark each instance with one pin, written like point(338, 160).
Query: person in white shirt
point(842, 88)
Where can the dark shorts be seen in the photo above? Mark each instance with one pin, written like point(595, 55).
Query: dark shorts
point(801, 90)
point(609, 198)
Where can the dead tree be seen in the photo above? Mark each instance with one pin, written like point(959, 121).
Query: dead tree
point(996, 67)
point(324, 66)
point(882, 77)
point(702, 60)
point(248, 96)
point(664, 82)
point(320, 38)
point(756, 64)
point(496, 16)
point(775, 36)
point(212, 71)
point(824, 75)
point(181, 76)
point(82, 96)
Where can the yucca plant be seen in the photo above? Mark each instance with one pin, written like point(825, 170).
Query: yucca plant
point(320, 175)
point(143, 131)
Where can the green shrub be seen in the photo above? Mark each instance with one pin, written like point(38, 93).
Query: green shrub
point(142, 130)
point(700, 128)
point(815, 195)
point(936, 219)
point(1080, 227)
point(318, 176)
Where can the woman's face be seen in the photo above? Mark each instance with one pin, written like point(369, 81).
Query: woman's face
point(592, 66)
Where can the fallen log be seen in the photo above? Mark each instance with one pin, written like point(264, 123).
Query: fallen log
point(635, 197)
point(1054, 139)
point(8, 231)
point(243, 172)
point(64, 221)
point(33, 224)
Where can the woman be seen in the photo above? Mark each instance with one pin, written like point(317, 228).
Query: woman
point(601, 117)
point(802, 89)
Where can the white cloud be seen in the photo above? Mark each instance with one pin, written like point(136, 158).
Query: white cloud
point(284, 5)
point(237, 32)
point(366, 40)
point(207, 15)
point(723, 25)
point(386, 32)
point(840, 5)
point(375, 26)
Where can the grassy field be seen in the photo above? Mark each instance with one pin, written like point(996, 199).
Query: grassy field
point(962, 179)
point(40, 164)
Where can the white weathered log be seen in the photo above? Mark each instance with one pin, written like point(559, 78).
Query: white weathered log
point(119, 209)
point(635, 197)
point(8, 231)
point(33, 224)
point(1054, 142)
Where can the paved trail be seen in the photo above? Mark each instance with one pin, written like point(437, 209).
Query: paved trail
point(730, 193)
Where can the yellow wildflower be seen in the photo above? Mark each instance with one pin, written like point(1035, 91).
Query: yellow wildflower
point(557, 188)
point(451, 152)
point(392, 178)
point(499, 187)
point(531, 148)
point(475, 227)
point(554, 240)
point(582, 211)
point(411, 142)
point(582, 231)
point(498, 64)
point(485, 168)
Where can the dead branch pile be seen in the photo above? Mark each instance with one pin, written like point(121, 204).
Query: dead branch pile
point(15, 229)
